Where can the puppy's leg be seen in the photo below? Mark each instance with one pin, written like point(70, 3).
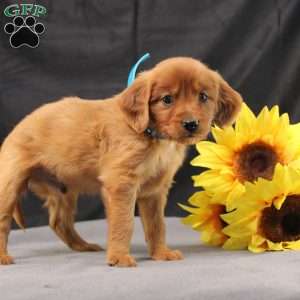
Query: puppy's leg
point(151, 209)
point(119, 200)
point(61, 220)
point(62, 209)
point(12, 181)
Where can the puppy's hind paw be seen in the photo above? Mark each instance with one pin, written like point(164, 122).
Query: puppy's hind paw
point(87, 247)
point(121, 260)
point(6, 259)
point(167, 254)
point(93, 248)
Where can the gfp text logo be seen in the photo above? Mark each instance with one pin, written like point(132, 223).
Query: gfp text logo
point(24, 30)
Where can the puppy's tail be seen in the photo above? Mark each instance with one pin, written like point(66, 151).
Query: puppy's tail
point(18, 216)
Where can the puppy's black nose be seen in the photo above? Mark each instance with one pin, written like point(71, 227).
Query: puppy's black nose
point(190, 125)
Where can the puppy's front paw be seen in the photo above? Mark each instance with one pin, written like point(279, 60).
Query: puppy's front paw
point(121, 260)
point(6, 260)
point(167, 254)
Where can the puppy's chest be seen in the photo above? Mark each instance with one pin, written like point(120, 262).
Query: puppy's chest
point(159, 160)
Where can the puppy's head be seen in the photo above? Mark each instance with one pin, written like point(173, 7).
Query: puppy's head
point(179, 99)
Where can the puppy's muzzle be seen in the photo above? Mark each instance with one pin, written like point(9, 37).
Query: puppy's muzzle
point(190, 125)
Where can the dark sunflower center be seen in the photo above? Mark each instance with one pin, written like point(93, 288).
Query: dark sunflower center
point(283, 224)
point(291, 224)
point(255, 160)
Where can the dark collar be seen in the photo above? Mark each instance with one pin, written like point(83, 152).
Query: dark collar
point(153, 133)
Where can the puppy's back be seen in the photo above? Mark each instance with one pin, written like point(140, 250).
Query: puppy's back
point(52, 125)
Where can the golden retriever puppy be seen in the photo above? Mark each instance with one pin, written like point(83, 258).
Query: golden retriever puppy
point(127, 148)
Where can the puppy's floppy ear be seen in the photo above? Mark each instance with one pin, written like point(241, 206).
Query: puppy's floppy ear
point(228, 106)
point(135, 102)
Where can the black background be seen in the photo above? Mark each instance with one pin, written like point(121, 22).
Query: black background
point(89, 46)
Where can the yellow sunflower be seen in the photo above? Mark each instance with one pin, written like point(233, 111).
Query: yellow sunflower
point(246, 152)
point(205, 217)
point(268, 215)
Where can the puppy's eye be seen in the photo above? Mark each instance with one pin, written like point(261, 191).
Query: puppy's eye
point(167, 100)
point(203, 97)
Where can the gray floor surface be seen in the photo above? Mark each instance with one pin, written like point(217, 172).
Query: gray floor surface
point(46, 269)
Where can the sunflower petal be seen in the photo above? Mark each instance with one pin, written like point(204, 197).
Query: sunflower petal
point(293, 245)
point(211, 179)
point(274, 246)
point(193, 221)
point(236, 243)
point(225, 136)
point(234, 195)
point(192, 210)
point(279, 201)
point(257, 249)
point(245, 121)
point(274, 113)
point(241, 228)
point(199, 199)
point(212, 237)
point(257, 240)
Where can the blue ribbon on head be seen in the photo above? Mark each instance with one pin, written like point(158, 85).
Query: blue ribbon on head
point(133, 70)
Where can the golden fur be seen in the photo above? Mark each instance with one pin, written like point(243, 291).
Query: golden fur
point(101, 147)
